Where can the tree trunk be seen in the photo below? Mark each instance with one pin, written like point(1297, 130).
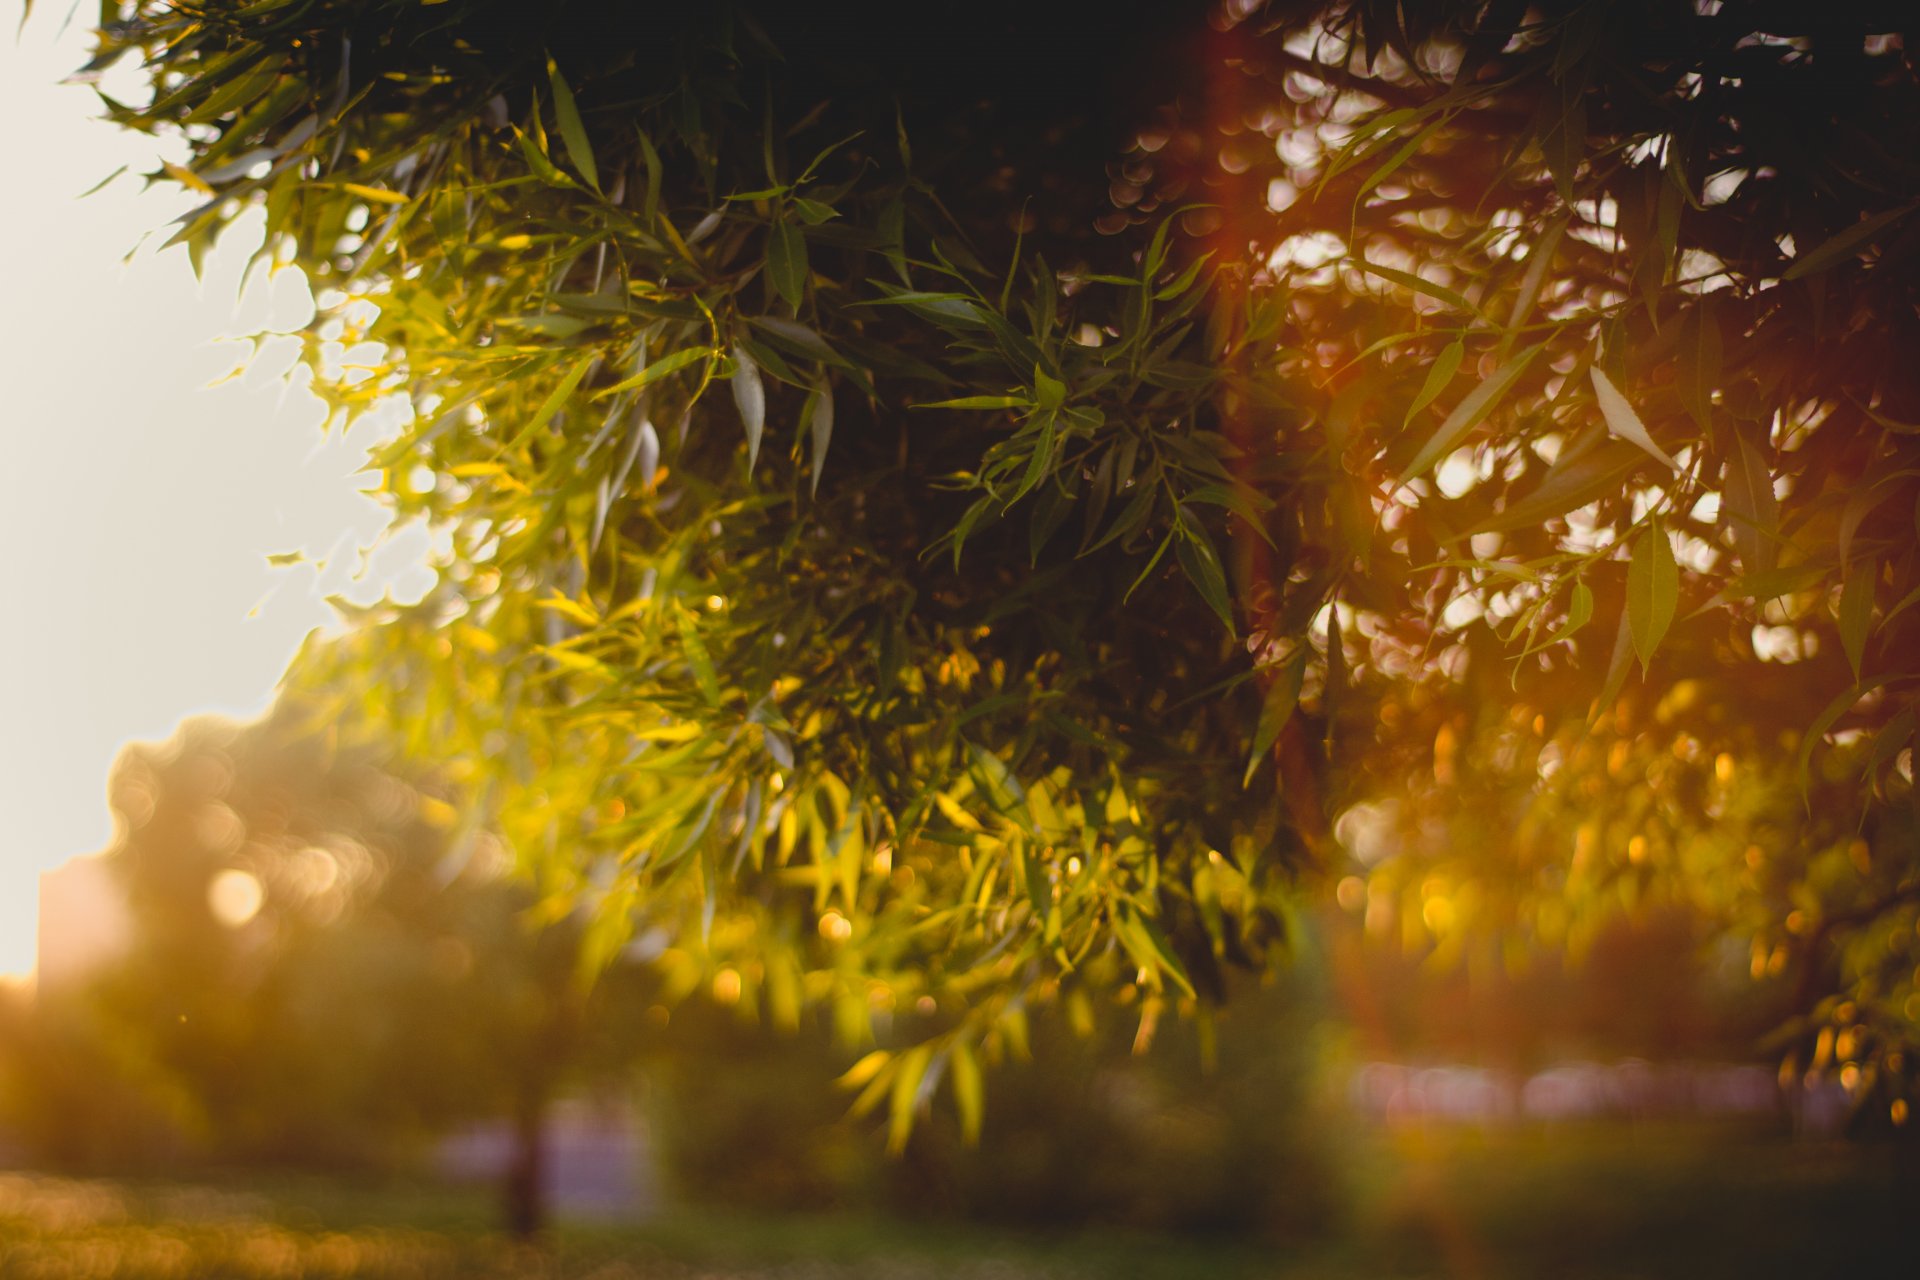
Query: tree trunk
point(525, 1191)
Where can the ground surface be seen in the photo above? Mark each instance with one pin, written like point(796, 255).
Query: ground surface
point(1617, 1202)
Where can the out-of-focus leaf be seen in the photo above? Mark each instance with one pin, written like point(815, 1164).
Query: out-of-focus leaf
point(904, 1097)
point(969, 1092)
point(1149, 948)
point(699, 661)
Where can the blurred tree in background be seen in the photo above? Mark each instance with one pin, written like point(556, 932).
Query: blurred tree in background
point(327, 968)
point(945, 510)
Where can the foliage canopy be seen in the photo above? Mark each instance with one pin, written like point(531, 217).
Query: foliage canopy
point(945, 509)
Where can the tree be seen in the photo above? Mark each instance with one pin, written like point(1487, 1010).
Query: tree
point(328, 967)
point(935, 500)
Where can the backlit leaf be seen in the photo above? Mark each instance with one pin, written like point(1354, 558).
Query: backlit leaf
point(1468, 414)
point(1653, 592)
point(573, 134)
point(1622, 420)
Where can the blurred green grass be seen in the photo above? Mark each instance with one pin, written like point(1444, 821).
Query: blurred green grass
point(1597, 1201)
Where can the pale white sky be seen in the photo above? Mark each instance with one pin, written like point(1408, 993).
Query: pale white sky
point(137, 504)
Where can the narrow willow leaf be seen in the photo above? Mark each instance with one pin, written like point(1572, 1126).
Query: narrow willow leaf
point(1856, 611)
point(787, 263)
point(1618, 665)
point(1468, 414)
point(1427, 288)
point(1622, 420)
point(1439, 378)
point(1817, 731)
point(654, 372)
point(1847, 243)
point(904, 1098)
point(750, 397)
point(1200, 561)
point(1579, 614)
point(1653, 592)
point(1574, 480)
point(650, 159)
point(821, 427)
point(558, 397)
point(543, 168)
point(969, 1094)
point(698, 659)
point(978, 402)
point(1701, 367)
point(1752, 512)
point(1283, 695)
point(1149, 949)
point(573, 134)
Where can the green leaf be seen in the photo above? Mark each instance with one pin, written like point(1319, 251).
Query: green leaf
point(1049, 393)
point(658, 369)
point(651, 160)
point(573, 134)
point(978, 402)
point(1856, 611)
point(1468, 414)
point(1201, 563)
point(1622, 420)
point(557, 397)
point(1283, 695)
point(969, 1095)
point(1149, 948)
point(698, 659)
point(1653, 592)
point(1003, 789)
point(1439, 378)
point(820, 425)
point(787, 263)
point(543, 168)
point(904, 1098)
point(750, 397)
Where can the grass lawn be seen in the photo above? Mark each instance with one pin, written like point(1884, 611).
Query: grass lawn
point(1613, 1201)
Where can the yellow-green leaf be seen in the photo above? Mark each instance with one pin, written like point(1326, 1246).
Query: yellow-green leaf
point(573, 134)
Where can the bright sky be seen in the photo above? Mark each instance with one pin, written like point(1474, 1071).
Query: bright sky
point(137, 503)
